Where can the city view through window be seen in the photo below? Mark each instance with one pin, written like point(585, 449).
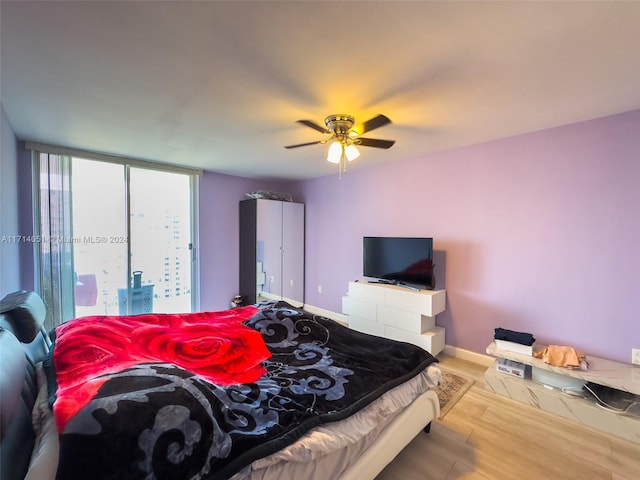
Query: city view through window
point(158, 240)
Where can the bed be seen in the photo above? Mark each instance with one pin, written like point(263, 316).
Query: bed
point(262, 392)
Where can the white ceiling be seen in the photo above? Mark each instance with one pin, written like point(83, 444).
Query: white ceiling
point(219, 85)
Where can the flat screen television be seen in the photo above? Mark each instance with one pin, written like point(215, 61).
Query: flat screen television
point(399, 260)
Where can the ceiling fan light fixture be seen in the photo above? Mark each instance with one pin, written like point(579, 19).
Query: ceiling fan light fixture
point(351, 152)
point(335, 152)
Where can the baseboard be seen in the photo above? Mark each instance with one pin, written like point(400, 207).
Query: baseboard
point(271, 296)
point(338, 317)
point(468, 355)
point(449, 350)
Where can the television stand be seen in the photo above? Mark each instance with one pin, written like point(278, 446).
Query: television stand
point(621, 376)
point(391, 311)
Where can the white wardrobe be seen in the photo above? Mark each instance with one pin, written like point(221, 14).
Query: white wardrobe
point(272, 251)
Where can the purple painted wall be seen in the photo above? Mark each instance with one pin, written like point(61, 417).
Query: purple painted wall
point(9, 250)
point(16, 258)
point(535, 233)
point(219, 230)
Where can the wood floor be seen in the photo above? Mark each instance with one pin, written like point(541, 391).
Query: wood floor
point(488, 437)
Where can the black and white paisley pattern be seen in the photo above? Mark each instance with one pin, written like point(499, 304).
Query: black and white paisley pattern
point(294, 334)
point(244, 409)
point(167, 415)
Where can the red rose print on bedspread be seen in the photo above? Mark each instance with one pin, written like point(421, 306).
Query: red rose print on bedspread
point(213, 345)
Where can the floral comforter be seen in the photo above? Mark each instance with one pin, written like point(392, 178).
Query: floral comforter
point(199, 396)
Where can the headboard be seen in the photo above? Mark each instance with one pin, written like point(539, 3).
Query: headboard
point(22, 344)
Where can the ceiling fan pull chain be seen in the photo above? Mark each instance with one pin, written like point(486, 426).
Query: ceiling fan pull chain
point(343, 163)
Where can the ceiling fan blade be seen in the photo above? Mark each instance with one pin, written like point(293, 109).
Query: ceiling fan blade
point(303, 144)
point(374, 142)
point(313, 125)
point(375, 122)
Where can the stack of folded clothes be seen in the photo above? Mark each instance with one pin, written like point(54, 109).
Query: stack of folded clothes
point(512, 341)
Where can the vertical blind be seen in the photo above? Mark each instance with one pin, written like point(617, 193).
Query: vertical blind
point(53, 230)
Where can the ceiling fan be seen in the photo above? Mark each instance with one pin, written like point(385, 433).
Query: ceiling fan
point(344, 135)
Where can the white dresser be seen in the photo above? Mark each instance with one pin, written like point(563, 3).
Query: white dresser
point(397, 313)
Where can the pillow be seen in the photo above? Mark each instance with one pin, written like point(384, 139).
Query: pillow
point(26, 313)
point(44, 458)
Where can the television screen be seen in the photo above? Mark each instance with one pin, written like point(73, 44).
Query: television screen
point(399, 260)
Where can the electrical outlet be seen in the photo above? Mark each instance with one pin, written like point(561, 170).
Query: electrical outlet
point(635, 356)
point(319, 288)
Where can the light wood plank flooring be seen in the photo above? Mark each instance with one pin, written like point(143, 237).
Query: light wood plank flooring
point(488, 437)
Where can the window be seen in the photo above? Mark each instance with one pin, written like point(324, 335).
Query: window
point(112, 233)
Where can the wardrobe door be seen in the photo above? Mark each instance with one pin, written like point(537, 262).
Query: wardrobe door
point(293, 253)
point(269, 244)
point(250, 284)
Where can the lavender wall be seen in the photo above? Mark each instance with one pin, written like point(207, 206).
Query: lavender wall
point(9, 250)
point(536, 233)
point(219, 229)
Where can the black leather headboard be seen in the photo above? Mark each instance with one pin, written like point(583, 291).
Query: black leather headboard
point(22, 345)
